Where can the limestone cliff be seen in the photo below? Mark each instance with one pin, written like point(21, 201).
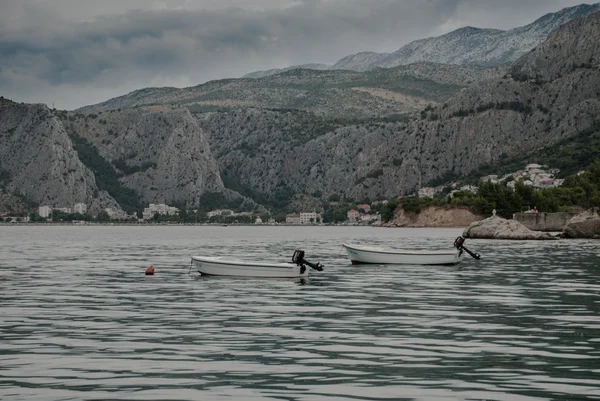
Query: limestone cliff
point(492, 118)
point(159, 152)
point(39, 163)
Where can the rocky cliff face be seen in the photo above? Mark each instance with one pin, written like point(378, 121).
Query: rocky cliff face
point(160, 152)
point(39, 163)
point(491, 118)
point(570, 48)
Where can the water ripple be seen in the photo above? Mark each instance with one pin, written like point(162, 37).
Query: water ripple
point(79, 320)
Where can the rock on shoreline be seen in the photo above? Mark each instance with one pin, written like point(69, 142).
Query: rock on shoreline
point(583, 225)
point(496, 227)
point(434, 216)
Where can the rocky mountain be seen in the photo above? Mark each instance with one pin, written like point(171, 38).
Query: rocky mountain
point(468, 45)
point(38, 164)
point(566, 50)
point(487, 47)
point(175, 145)
point(266, 73)
point(362, 61)
point(337, 94)
point(159, 152)
point(490, 119)
point(120, 159)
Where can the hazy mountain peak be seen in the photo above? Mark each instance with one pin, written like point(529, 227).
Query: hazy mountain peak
point(466, 45)
point(265, 73)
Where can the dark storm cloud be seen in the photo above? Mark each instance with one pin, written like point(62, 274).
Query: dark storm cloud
point(76, 55)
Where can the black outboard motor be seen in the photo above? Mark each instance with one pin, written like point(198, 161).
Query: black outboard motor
point(298, 258)
point(458, 243)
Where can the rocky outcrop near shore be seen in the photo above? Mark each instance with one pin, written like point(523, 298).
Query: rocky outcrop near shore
point(583, 225)
point(434, 216)
point(496, 227)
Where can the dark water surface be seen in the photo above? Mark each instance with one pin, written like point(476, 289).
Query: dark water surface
point(79, 320)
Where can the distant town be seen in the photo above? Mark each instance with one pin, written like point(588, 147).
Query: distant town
point(533, 175)
point(162, 212)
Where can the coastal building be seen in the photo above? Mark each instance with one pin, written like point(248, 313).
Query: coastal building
point(160, 208)
point(534, 175)
point(310, 217)
point(67, 210)
point(353, 215)
point(219, 212)
point(429, 192)
point(533, 168)
point(369, 218)
point(293, 218)
point(470, 188)
point(258, 220)
point(493, 178)
point(381, 202)
point(365, 207)
point(45, 211)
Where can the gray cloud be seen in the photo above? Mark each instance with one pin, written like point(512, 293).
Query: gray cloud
point(75, 52)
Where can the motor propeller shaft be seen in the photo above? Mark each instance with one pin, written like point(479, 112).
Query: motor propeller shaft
point(298, 258)
point(459, 244)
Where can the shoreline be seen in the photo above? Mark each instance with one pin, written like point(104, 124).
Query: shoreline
point(212, 225)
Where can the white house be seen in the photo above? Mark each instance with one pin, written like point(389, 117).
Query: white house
point(160, 208)
point(292, 218)
point(429, 192)
point(365, 207)
point(353, 215)
point(219, 212)
point(306, 217)
point(366, 218)
point(44, 211)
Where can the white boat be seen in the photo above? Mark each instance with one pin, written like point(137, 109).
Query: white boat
point(222, 266)
point(380, 255)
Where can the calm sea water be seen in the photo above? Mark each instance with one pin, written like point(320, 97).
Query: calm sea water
point(79, 320)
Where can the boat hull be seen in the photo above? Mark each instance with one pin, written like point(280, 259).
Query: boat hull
point(216, 266)
point(372, 255)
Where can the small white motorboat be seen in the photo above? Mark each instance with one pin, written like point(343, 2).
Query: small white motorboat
point(222, 266)
point(379, 255)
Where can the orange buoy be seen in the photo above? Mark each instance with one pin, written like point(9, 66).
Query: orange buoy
point(150, 271)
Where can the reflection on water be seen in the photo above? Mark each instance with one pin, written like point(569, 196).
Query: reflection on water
point(80, 320)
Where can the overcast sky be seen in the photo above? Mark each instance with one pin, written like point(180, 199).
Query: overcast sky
point(71, 53)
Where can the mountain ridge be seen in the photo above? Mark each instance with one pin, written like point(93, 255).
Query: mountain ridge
point(291, 158)
point(466, 45)
point(333, 92)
